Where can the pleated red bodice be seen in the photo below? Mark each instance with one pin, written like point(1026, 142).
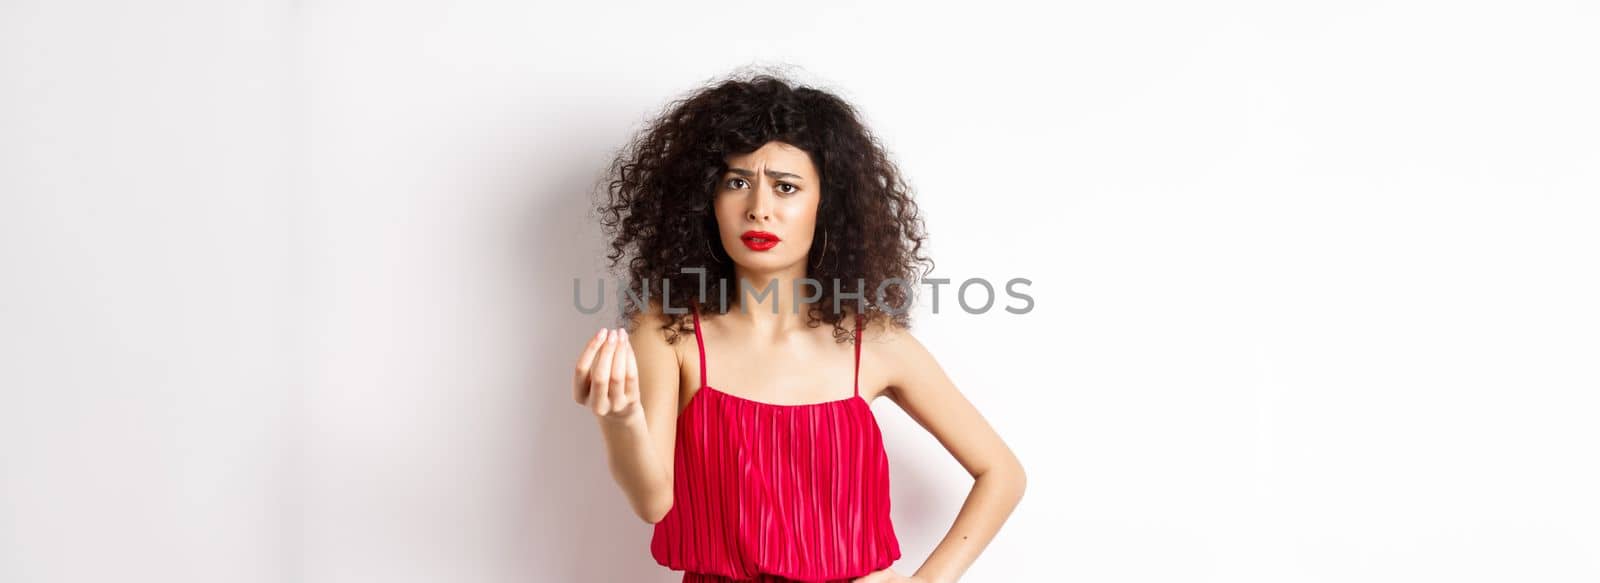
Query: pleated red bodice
point(772, 493)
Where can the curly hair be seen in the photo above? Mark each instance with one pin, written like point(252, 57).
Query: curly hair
point(658, 214)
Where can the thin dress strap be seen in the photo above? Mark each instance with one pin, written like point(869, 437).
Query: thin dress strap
point(858, 355)
point(701, 344)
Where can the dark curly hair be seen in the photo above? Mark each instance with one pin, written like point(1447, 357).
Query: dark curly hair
point(658, 211)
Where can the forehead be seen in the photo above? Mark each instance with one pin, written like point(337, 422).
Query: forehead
point(774, 155)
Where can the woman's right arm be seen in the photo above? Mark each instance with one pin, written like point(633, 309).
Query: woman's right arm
point(630, 383)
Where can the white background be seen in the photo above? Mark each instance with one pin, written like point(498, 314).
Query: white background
point(287, 285)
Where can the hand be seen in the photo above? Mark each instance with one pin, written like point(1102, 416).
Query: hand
point(607, 377)
point(887, 576)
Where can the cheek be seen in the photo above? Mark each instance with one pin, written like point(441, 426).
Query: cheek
point(810, 220)
point(725, 213)
point(801, 211)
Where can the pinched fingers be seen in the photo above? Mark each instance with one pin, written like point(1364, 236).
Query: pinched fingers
point(617, 387)
point(580, 374)
point(632, 387)
point(600, 375)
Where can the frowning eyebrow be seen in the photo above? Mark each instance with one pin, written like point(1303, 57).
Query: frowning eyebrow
point(771, 173)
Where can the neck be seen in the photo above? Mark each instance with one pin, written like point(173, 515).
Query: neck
point(769, 300)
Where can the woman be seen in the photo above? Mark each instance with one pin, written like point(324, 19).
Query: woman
point(725, 207)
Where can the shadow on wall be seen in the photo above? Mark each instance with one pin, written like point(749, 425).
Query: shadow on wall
point(576, 524)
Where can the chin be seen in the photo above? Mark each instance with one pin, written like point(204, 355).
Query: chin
point(764, 260)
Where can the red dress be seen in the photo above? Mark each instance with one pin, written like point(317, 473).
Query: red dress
point(776, 493)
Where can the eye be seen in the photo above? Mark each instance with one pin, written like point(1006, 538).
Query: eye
point(731, 181)
point(783, 184)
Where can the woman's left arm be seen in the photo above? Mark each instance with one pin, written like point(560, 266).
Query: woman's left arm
point(919, 386)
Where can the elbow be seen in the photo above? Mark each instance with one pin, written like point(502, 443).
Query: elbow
point(1012, 478)
point(1022, 481)
point(1008, 480)
point(655, 513)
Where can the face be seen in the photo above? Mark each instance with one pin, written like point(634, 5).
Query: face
point(766, 206)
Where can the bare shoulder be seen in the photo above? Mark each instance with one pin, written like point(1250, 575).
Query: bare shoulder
point(885, 336)
point(658, 359)
point(896, 352)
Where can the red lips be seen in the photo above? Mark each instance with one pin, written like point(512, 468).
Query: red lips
point(759, 240)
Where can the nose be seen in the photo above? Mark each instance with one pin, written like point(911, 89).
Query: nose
point(759, 210)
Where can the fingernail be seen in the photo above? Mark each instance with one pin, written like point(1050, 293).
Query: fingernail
point(624, 334)
point(600, 334)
